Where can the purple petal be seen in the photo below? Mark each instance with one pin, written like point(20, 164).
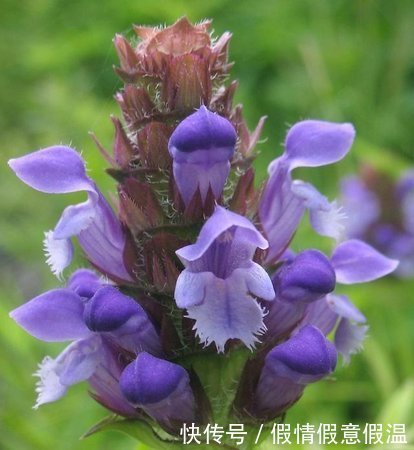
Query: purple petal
point(282, 318)
point(349, 337)
point(304, 358)
point(228, 312)
point(84, 282)
point(357, 262)
point(75, 219)
point(108, 309)
point(103, 241)
point(190, 289)
point(203, 131)
point(314, 143)
point(320, 315)
point(307, 278)
point(190, 177)
point(122, 320)
point(217, 224)
point(150, 380)
point(202, 146)
point(53, 170)
point(280, 210)
point(355, 194)
point(258, 282)
point(343, 307)
point(53, 316)
point(75, 364)
point(161, 388)
point(79, 361)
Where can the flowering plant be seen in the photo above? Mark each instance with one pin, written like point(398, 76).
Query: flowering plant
point(387, 219)
point(196, 310)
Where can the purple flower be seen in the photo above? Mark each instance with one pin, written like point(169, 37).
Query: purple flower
point(61, 170)
point(202, 147)
point(220, 280)
point(354, 262)
point(387, 218)
point(310, 143)
point(161, 388)
point(305, 358)
point(355, 194)
point(304, 279)
point(98, 321)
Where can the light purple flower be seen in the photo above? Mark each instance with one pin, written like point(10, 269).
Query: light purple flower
point(304, 358)
point(161, 388)
point(384, 217)
point(97, 325)
point(361, 206)
point(354, 261)
point(220, 280)
point(61, 170)
point(310, 143)
point(202, 147)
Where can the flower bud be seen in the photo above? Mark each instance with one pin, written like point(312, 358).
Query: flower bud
point(307, 278)
point(202, 147)
point(161, 388)
point(110, 311)
point(300, 281)
point(303, 359)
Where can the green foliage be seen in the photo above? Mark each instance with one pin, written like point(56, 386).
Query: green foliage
point(344, 60)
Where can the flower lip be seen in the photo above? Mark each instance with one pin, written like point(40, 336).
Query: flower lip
point(149, 380)
point(204, 130)
point(217, 224)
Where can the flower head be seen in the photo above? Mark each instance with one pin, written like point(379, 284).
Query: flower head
point(202, 147)
point(220, 280)
point(97, 324)
point(61, 170)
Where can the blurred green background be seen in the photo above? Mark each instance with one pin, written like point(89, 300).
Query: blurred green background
point(340, 60)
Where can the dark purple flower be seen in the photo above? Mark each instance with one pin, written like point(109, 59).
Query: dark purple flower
point(107, 320)
point(161, 388)
point(310, 143)
point(61, 170)
point(304, 279)
point(305, 358)
point(202, 147)
point(220, 280)
point(354, 262)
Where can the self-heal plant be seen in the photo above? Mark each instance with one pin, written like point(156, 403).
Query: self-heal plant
point(197, 310)
point(387, 219)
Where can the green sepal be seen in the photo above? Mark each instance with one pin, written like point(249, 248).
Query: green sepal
point(219, 374)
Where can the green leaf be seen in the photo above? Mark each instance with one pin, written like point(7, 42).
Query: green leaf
point(220, 376)
point(399, 408)
point(137, 429)
point(147, 437)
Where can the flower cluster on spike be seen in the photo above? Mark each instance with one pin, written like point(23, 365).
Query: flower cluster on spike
point(194, 261)
point(387, 219)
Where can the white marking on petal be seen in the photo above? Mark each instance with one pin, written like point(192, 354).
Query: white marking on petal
point(330, 221)
point(49, 388)
point(58, 253)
